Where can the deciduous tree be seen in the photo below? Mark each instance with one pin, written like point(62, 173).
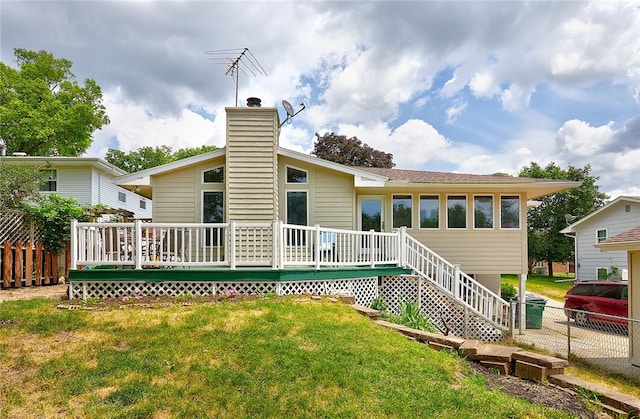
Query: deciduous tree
point(18, 184)
point(148, 157)
point(545, 221)
point(43, 110)
point(350, 151)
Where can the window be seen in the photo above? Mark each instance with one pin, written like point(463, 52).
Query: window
point(297, 214)
point(509, 212)
point(49, 180)
point(603, 273)
point(215, 175)
point(429, 211)
point(627, 208)
point(402, 211)
point(297, 207)
point(122, 197)
point(483, 212)
point(296, 175)
point(601, 235)
point(457, 211)
point(213, 212)
point(143, 204)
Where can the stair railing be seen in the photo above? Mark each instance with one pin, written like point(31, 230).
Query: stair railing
point(462, 287)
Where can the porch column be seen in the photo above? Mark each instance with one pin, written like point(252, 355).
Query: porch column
point(521, 303)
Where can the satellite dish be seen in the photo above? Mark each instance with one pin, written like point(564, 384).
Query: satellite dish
point(290, 112)
point(288, 108)
point(569, 218)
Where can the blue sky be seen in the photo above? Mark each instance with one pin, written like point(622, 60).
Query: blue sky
point(467, 87)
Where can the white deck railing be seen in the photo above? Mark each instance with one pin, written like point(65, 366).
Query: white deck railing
point(456, 283)
point(276, 245)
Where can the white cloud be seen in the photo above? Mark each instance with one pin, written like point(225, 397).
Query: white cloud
point(477, 87)
point(578, 138)
point(133, 127)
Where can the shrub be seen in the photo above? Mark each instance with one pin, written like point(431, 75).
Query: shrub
point(507, 291)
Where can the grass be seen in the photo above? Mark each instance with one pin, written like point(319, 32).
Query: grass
point(266, 357)
point(543, 285)
point(551, 288)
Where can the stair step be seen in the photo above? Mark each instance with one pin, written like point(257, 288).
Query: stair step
point(494, 353)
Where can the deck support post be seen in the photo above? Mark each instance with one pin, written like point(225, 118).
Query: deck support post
point(277, 255)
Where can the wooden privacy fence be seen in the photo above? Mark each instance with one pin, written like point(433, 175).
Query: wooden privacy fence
point(23, 260)
point(27, 264)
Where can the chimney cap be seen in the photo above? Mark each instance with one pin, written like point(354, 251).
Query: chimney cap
point(254, 102)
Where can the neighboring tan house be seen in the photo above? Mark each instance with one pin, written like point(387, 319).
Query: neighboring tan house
point(629, 243)
point(89, 180)
point(617, 216)
point(475, 221)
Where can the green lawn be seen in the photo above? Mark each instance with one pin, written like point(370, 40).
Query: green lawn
point(555, 287)
point(266, 357)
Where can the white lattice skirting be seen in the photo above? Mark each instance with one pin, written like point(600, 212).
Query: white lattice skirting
point(442, 309)
point(363, 289)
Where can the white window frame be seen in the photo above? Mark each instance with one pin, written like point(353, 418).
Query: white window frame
point(122, 194)
point(213, 168)
point(600, 268)
point(438, 200)
point(286, 178)
point(54, 180)
point(224, 213)
point(393, 197)
point(606, 234)
point(493, 212)
point(286, 203)
point(466, 212)
point(519, 212)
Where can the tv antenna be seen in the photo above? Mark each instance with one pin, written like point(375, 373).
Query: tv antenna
point(290, 112)
point(238, 60)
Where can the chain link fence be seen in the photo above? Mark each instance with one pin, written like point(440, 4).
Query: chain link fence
point(600, 340)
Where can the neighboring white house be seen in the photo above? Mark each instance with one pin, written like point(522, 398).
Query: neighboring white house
point(89, 180)
point(617, 216)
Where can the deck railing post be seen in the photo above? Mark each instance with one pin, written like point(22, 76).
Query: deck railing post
point(74, 244)
point(281, 245)
point(372, 252)
point(456, 281)
point(316, 248)
point(232, 245)
point(402, 246)
point(137, 231)
point(275, 244)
